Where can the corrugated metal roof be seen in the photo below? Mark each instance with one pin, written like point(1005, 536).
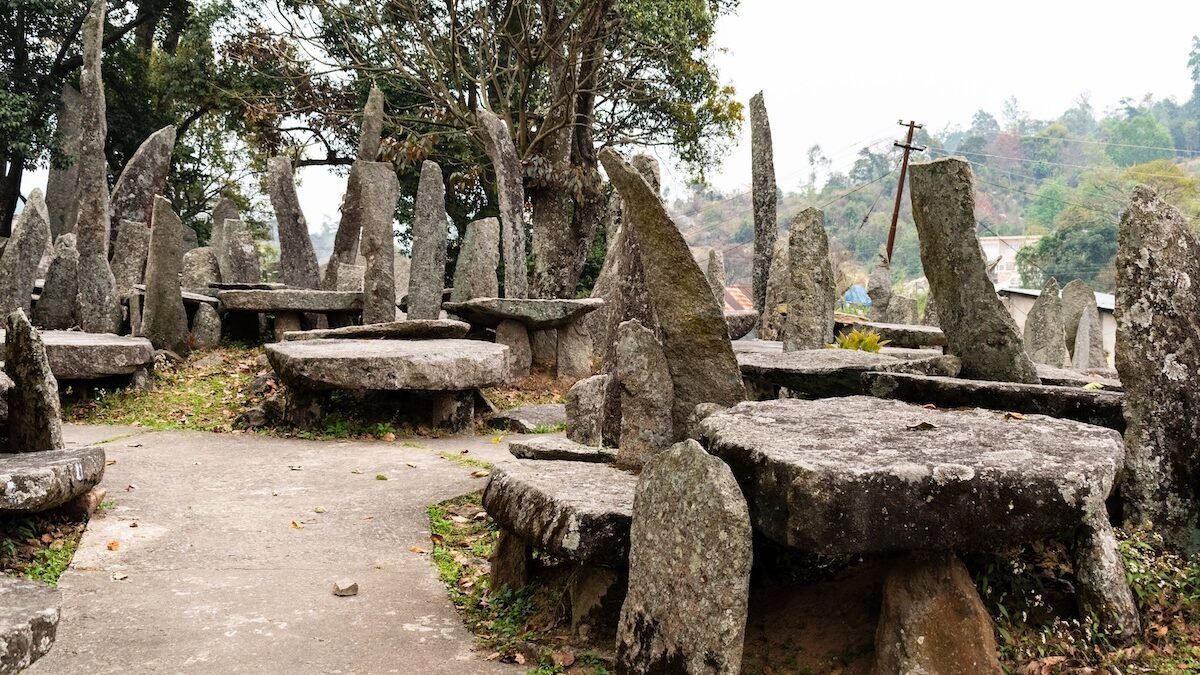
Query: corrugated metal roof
point(1105, 301)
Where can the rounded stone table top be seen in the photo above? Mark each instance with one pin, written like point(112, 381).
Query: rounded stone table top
point(74, 355)
point(291, 300)
point(536, 314)
point(32, 482)
point(865, 475)
point(390, 365)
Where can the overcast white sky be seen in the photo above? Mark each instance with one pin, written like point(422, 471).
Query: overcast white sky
point(841, 73)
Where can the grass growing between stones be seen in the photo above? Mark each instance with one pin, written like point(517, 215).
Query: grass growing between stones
point(39, 548)
point(524, 627)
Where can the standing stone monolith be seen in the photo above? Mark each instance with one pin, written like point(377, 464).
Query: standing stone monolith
point(1045, 340)
point(206, 327)
point(242, 265)
point(164, 319)
point(1079, 300)
point(930, 316)
point(428, 275)
point(691, 326)
point(879, 289)
point(62, 201)
point(379, 190)
point(19, 262)
point(690, 552)
point(766, 226)
point(1158, 358)
point(97, 301)
point(200, 269)
point(515, 336)
point(297, 261)
point(1081, 358)
point(129, 255)
point(978, 329)
point(585, 410)
point(510, 189)
point(774, 312)
point(56, 309)
point(371, 133)
point(811, 296)
point(144, 178)
point(475, 269)
point(224, 210)
point(647, 395)
point(350, 277)
point(716, 275)
point(34, 415)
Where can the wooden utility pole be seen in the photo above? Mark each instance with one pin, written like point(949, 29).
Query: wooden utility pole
point(908, 147)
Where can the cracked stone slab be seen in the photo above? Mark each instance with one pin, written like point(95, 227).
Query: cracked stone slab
point(560, 449)
point(821, 373)
point(291, 300)
point(531, 419)
point(865, 475)
point(28, 621)
point(411, 329)
point(1066, 377)
point(580, 511)
point(391, 365)
point(36, 481)
point(911, 336)
point(1102, 408)
point(74, 355)
point(536, 314)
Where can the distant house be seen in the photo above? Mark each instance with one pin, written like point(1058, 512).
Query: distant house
point(1005, 249)
point(738, 298)
point(1018, 302)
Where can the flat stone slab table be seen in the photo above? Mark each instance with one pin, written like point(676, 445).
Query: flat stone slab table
point(912, 336)
point(288, 304)
point(450, 371)
point(819, 373)
point(861, 475)
point(74, 355)
point(535, 314)
point(557, 448)
point(32, 482)
point(29, 614)
point(534, 418)
point(410, 329)
point(190, 297)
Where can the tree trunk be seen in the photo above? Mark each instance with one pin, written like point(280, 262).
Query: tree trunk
point(10, 191)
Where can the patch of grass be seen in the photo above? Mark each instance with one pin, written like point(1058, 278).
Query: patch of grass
point(39, 548)
point(1030, 594)
point(550, 428)
point(462, 459)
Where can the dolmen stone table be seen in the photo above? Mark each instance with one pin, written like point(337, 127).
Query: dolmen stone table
point(32, 482)
point(912, 336)
point(288, 304)
point(77, 356)
point(860, 475)
point(446, 372)
point(538, 331)
point(409, 329)
point(820, 373)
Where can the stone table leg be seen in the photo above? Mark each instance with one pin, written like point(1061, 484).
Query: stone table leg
point(515, 336)
point(510, 562)
point(932, 619)
point(597, 594)
point(284, 322)
point(1103, 589)
point(545, 348)
point(574, 352)
point(454, 410)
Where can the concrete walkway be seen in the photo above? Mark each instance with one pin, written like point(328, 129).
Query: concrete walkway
point(214, 577)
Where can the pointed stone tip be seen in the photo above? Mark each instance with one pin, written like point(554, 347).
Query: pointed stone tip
point(18, 321)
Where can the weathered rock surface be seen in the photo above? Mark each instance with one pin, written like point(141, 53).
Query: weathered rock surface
point(428, 274)
point(1080, 310)
point(821, 373)
point(129, 255)
point(879, 289)
point(392, 365)
point(353, 277)
point(560, 450)
point(1045, 336)
point(97, 304)
point(377, 194)
point(1158, 357)
point(475, 269)
point(91, 226)
point(878, 476)
point(534, 418)
point(578, 511)
point(224, 210)
point(1102, 408)
point(978, 329)
point(412, 329)
point(775, 312)
point(75, 355)
point(1063, 377)
point(239, 262)
point(685, 611)
point(200, 269)
point(144, 178)
point(585, 410)
point(164, 319)
point(573, 360)
point(56, 307)
point(34, 413)
point(19, 262)
point(371, 133)
point(740, 322)
point(647, 396)
point(297, 261)
point(811, 295)
point(206, 328)
point(62, 201)
point(290, 300)
point(515, 336)
point(37, 481)
point(908, 336)
point(715, 272)
point(534, 314)
point(763, 192)
point(694, 336)
point(933, 620)
point(511, 191)
point(29, 622)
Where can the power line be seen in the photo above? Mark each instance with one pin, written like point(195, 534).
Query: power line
point(1106, 143)
point(1060, 201)
point(1069, 166)
point(981, 165)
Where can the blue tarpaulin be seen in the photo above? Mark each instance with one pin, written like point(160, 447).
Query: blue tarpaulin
point(857, 295)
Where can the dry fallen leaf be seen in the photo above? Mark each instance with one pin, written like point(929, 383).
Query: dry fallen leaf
point(921, 426)
point(459, 519)
point(417, 549)
point(296, 526)
point(563, 659)
point(388, 437)
point(114, 545)
point(119, 576)
point(519, 658)
point(437, 539)
point(319, 509)
point(1013, 416)
point(496, 439)
point(109, 462)
point(482, 473)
